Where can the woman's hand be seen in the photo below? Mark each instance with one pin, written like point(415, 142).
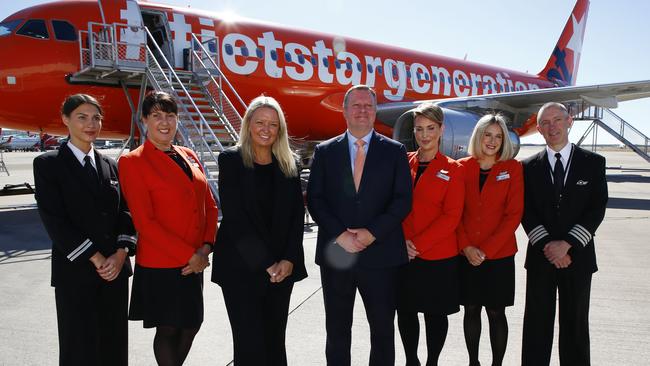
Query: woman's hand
point(474, 255)
point(280, 270)
point(198, 262)
point(411, 250)
point(112, 266)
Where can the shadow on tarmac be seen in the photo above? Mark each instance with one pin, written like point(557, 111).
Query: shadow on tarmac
point(22, 232)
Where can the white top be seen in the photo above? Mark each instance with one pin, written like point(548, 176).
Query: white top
point(566, 155)
point(80, 154)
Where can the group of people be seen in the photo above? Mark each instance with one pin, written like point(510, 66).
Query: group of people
point(413, 233)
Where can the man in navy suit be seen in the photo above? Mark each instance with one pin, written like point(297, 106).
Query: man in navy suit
point(359, 192)
point(564, 203)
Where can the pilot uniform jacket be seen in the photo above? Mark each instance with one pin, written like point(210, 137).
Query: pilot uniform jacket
point(437, 207)
point(574, 219)
point(81, 217)
point(84, 215)
point(174, 215)
point(246, 246)
point(383, 200)
point(492, 214)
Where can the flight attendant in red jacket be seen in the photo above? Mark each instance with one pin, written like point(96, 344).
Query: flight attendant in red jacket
point(429, 282)
point(175, 215)
point(494, 204)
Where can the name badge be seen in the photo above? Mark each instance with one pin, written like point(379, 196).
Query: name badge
point(192, 161)
point(442, 174)
point(582, 183)
point(503, 176)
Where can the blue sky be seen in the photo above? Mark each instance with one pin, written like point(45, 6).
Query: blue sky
point(514, 34)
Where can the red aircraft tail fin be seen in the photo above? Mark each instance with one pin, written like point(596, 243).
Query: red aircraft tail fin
point(562, 66)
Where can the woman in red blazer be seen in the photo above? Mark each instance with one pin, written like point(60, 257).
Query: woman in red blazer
point(428, 283)
point(494, 203)
point(176, 218)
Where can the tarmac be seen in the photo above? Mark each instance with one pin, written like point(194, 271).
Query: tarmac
point(620, 297)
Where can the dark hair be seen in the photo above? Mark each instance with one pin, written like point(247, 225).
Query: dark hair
point(159, 101)
point(72, 102)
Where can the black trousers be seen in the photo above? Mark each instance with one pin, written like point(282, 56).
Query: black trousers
point(378, 289)
point(539, 317)
point(258, 320)
point(92, 323)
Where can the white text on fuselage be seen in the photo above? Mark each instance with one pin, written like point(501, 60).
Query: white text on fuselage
point(243, 56)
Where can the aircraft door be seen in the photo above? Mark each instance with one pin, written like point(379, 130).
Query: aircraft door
point(158, 25)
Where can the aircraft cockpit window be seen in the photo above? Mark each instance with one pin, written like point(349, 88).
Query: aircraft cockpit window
point(8, 27)
point(34, 28)
point(64, 31)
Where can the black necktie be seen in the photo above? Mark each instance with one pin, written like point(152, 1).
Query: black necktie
point(558, 175)
point(90, 171)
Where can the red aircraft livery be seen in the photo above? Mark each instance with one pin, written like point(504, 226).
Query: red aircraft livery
point(308, 72)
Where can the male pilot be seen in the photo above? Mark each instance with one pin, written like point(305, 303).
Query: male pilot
point(359, 192)
point(565, 194)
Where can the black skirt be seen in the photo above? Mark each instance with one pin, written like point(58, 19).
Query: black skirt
point(163, 296)
point(492, 284)
point(429, 286)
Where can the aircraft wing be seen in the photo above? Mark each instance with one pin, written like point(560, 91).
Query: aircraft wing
point(522, 104)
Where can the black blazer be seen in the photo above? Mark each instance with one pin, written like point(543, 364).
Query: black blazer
point(576, 217)
point(383, 201)
point(245, 246)
point(81, 218)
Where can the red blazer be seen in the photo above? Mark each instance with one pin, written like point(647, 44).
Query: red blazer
point(492, 215)
point(437, 207)
point(173, 215)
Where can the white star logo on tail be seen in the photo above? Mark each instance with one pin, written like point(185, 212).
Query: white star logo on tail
point(575, 43)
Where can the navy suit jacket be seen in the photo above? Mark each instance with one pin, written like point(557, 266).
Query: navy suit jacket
point(383, 201)
point(574, 219)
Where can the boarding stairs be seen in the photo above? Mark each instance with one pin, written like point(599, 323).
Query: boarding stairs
point(208, 123)
point(615, 126)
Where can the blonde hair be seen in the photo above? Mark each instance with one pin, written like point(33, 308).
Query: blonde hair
point(430, 111)
point(506, 151)
point(281, 150)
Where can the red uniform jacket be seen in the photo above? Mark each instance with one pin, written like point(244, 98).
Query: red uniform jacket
point(492, 215)
point(437, 208)
point(173, 215)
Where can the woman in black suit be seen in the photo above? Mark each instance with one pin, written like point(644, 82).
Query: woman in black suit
point(258, 254)
point(80, 203)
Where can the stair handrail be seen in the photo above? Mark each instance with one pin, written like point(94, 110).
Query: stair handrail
point(232, 88)
point(229, 127)
point(196, 108)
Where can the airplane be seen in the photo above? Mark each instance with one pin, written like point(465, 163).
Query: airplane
point(308, 72)
point(25, 143)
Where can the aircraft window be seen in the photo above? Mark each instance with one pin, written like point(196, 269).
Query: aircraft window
point(435, 77)
point(244, 51)
point(456, 81)
point(229, 50)
point(449, 80)
point(326, 63)
point(408, 74)
point(380, 70)
point(34, 28)
point(337, 63)
point(8, 27)
point(287, 56)
point(64, 31)
point(314, 61)
point(359, 67)
point(274, 55)
point(426, 77)
point(301, 59)
point(394, 69)
point(259, 53)
point(348, 64)
point(369, 66)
